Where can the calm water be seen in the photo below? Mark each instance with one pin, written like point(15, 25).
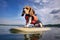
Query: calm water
point(53, 34)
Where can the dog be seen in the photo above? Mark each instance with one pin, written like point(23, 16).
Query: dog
point(31, 17)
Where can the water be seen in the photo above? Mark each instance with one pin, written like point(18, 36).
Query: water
point(53, 34)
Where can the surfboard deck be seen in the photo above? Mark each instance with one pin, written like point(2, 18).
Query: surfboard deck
point(28, 30)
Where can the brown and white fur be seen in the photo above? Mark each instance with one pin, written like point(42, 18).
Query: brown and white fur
point(30, 11)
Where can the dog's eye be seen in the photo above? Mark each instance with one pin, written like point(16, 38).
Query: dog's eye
point(27, 8)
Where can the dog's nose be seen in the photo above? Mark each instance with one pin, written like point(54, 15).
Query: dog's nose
point(23, 13)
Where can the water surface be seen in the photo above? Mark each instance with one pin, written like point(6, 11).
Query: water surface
point(5, 34)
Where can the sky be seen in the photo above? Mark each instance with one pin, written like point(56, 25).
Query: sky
point(48, 11)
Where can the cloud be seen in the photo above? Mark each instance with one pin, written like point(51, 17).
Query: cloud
point(38, 1)
point(55, 4)
point(56, 17)
point(45, 1)
point(44, 13)
point(55, 11)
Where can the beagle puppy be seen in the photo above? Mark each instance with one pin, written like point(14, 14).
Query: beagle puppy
point(28, 11)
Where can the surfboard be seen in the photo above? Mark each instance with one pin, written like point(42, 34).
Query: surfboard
point(28, 30)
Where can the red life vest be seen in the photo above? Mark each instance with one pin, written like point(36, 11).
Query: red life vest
point(32, 21)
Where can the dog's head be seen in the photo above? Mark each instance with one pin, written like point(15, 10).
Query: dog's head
point(28, 10)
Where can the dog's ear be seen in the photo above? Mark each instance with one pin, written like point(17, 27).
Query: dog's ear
point(22, 13)
point(31, 12)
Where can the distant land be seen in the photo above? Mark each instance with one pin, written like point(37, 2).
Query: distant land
point(11, 25)
point(48, 25)
point(52, 25)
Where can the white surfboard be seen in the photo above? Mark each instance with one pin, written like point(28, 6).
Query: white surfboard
point(29, 30)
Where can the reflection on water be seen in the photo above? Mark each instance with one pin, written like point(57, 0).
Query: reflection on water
point(32, 36)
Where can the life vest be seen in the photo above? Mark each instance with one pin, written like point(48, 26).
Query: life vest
point(33, 21)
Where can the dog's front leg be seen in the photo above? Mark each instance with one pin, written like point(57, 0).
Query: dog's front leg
point(29, 22)
point(41, 25)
